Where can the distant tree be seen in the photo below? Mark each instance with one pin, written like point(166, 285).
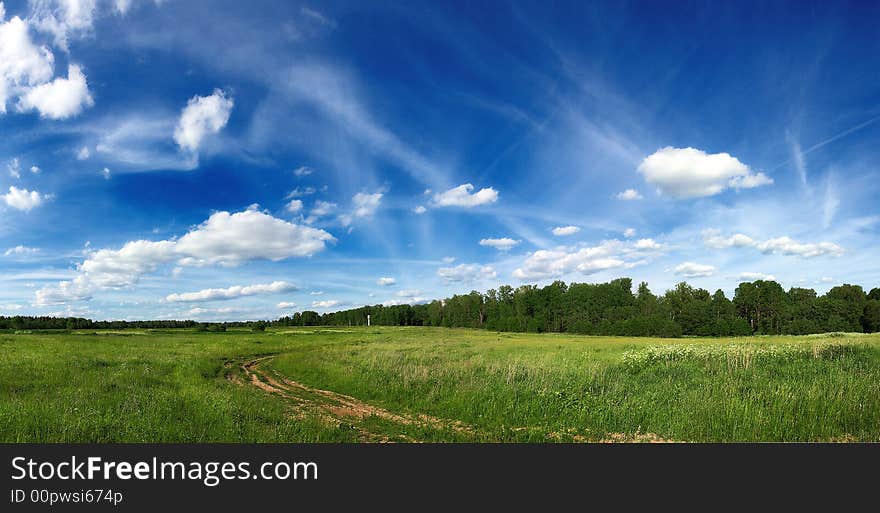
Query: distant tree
point(874, 295)
point(871, 316)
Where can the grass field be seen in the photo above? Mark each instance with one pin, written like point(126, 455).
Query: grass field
point(433, 384)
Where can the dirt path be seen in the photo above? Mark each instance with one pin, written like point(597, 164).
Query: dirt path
point(336, 408)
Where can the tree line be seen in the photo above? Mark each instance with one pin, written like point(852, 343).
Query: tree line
point(758, 307)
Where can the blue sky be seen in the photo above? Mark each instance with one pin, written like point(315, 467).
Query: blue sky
point(244, 160)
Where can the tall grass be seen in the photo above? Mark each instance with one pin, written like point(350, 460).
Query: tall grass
point(170, 386)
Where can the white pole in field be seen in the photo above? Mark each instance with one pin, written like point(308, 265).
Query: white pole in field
point(368, 319)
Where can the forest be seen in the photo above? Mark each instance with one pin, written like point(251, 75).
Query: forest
point(759, 307)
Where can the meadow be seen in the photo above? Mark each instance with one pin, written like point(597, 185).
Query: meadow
point(408, 384)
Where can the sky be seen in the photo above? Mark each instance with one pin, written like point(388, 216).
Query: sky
point(232, 160)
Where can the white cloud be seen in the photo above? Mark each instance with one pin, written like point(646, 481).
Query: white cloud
point(229, 239)
point(35, 170)
point(363, 205)
point(23, 199)
point(753, 276)
point(692, 270)
point(294, 207)
point(564, 231)
point(322, 208)
point(61, 98)
point(448, 260)
point(689, 172)
point(20, 250)
point(303, 171)
point(316, 293)
point(780, 245)
point(409, 293)
point(14, 168)
point(827, 279)
point(223, 239)
point(83, 154)
point(502, 244)
point(299, 193)
point(327, 303)
point(106, 173)
point(629, 195)
point(233, 292)
point(64, 18)
point(629, 233)
point(420, 210)
point(647, 244)
point(22, 63)
point(555, 263)
point(286, 305)
point(202, 116)
point(461, 196)
point(386, 281)
point(466, 273)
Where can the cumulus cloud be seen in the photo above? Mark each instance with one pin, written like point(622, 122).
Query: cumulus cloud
point(106, 173)
point(236, 291)
point(629, 195)
point(202, 116)
point(650, 244)
point(692, 270)
point(689, 172)
point(420, 210)
point(779, 246)
point(753, 276)
point(386, 281)
point(363, 205)
point(502, 244)
point(64, 18)
point(23, 64)
point(35, 170)
point(564, 231)
point(83, 153)
point(23, 199)
point(294, 207)
point(466, 273)
point(285, 305)
point(223, 239)
point(629, 233)
point(327, 303)
point(555, 263)
point(461, 196)
point(61, 98)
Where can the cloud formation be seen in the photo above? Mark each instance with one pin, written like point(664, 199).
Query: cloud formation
point(564, 231)
point(690, 173)
point(202, 116)
point(22, 199)
point(61, 98)
point(502, 244)
point(692, 270)
point(785, 245)
point(466, 273)
point(236, 291)
point(223, 239)
point(461, 196)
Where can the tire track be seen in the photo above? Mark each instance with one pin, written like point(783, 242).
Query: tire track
point(337, 408)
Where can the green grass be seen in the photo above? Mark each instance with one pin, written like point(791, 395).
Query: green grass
point(172, 386)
